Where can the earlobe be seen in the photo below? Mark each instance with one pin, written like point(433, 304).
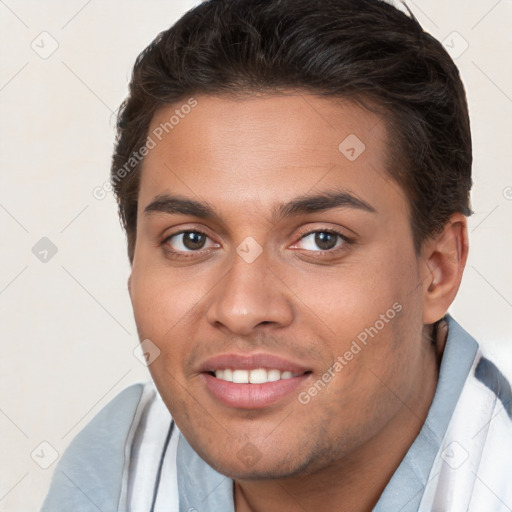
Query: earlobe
point(444, 261)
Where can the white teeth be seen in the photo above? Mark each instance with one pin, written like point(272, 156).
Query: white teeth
point(273, 375)
point(240, 376)
point(256, 376)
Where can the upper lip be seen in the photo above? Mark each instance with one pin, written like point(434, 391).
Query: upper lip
point(250, 362)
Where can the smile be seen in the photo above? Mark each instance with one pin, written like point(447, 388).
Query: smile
point(256, 376)
point(252, 381)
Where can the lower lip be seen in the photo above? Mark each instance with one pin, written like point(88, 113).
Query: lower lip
point(251, 396)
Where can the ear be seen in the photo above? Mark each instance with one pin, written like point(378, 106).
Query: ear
point(443, 260)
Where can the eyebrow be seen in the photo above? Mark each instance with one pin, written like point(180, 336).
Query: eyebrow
point(180, 205)
point(323, 201)
point(327, 200)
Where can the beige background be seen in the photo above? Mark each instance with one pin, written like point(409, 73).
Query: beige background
point(67, 329)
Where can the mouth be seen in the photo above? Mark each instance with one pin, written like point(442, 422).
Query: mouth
point(252, 381)
point(256, 376)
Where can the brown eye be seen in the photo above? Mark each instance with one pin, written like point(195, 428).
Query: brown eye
point(189, 241)
point(193, 240)
point(317, 241)
point(325, 241)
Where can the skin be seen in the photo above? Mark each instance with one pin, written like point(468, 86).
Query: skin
point(244, 157)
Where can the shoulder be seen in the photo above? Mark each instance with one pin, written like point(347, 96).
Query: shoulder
point(472, 468)
point(89, 474)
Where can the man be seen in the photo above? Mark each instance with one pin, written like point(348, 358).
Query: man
point(293, 177)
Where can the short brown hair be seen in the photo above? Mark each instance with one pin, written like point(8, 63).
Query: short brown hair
point(363, 50)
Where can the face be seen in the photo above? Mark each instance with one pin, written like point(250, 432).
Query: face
point(275, 271)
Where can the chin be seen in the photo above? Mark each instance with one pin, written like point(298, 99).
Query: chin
point(259, 467)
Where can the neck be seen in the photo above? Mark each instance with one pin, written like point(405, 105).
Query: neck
point(355, 483)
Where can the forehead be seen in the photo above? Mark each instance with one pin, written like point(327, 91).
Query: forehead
point(238, 152)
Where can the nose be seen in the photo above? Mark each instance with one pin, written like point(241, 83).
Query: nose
point(250, 296)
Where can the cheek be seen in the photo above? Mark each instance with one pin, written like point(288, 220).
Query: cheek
point(350, 298)
point(162, 304)
point(370, 314)
point(164, 308)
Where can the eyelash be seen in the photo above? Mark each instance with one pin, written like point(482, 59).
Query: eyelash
point(346, 241)
point(178, 254)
